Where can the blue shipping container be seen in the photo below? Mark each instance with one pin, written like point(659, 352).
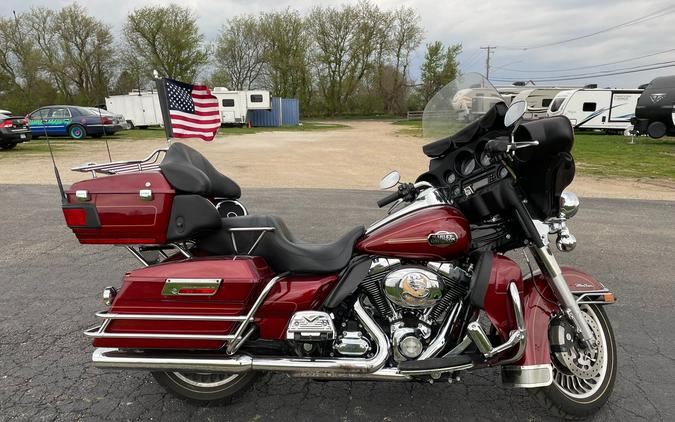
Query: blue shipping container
point(284, 112)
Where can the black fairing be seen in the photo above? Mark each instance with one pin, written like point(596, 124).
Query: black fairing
point(546, 170)
point(188, 171)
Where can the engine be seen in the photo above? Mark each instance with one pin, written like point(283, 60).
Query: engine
point(413, 299)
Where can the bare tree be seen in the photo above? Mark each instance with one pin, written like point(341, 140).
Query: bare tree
point(166, 38)
point(239, 52)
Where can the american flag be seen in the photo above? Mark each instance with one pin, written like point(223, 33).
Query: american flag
point(193, 110)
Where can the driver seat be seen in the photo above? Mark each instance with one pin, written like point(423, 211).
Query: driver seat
point(280, 248)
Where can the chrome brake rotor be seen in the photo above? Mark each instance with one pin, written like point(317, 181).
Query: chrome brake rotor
point(583, 363)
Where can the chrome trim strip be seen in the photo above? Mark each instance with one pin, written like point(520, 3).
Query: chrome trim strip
point(173, 286)
point(527, 376)
point(161, 317)
point(96, 332)
point(430, 197)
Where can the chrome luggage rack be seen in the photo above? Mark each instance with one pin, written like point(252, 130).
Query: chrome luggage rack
point(149, 163)
point(242, 332)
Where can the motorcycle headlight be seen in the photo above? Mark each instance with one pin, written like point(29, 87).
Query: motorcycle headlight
point(569, 204)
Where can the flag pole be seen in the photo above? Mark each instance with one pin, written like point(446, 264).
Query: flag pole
point(164, 106)
point(105, 137)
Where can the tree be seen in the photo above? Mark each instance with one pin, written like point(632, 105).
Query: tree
point(346, 41)
point(440, 67)
point(404, 37)
point(239, 52)
point(287, 47)
point(166, 39)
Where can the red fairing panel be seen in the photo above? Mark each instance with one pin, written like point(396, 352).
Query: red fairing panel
point(538, 311)
point(126, 218)
point(407, 237)
point(295, 293)
point(497, 304)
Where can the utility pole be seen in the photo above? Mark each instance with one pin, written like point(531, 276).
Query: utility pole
point(487, 60)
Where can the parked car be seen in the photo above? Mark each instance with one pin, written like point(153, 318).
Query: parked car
point(74, 121)
point(13, 131)
point(118, 119)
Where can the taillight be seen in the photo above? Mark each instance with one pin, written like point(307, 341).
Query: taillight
point(6, 123)
point(25, 122)
point(75, 217)
point(106, 120)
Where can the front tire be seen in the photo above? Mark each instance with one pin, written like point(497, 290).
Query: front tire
point(8, 146)
point(204, 387)
point(581, 392)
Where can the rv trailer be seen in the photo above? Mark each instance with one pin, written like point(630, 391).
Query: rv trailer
point(610, 110)
point(140, 108)
point(538, 99)
point(655, 110)
point(235, 105)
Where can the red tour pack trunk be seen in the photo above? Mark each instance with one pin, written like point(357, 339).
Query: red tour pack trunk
point(120, 209)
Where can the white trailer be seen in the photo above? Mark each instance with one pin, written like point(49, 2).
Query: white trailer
point(606, 109)
point(234, 105)
point(537, 99)
point(141, 108)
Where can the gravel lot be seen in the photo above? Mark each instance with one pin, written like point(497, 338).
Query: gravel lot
point(351, 158)
point(50, 287)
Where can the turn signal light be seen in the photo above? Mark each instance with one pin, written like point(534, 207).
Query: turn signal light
point(75, 217)
point(609, 297)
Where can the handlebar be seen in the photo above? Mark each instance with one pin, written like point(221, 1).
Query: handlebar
point(389, 199)
point(502, 145)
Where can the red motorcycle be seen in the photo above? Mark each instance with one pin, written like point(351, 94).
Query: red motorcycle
point(421, 295)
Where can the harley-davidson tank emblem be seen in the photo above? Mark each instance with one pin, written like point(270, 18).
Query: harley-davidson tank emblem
point(442, 239)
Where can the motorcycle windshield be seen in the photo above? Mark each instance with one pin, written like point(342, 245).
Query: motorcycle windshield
point(459, 103)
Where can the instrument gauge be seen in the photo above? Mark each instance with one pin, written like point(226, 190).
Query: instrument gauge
point(467, 166)
point(485, 159)
point(450, 177)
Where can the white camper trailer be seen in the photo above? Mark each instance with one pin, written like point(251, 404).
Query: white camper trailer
point(234, 105)
point(606, 109)
point(538, 99)
point(140, 108)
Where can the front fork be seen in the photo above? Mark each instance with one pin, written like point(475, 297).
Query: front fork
point(549, 266)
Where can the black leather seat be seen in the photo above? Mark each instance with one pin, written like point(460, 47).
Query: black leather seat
point(282, 251)
point(188, 171)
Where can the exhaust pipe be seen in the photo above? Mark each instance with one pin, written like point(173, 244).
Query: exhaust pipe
point(301, 367)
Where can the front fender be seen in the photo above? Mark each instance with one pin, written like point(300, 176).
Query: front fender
point(539, 304)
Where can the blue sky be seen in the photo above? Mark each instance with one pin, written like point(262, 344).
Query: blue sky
point(504, 23)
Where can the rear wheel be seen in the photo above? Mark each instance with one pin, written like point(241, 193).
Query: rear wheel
point(203, 386)
point(583, 380)
point(77, 132)
point(8, 146)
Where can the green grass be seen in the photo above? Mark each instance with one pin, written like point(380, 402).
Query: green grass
point(603, 155)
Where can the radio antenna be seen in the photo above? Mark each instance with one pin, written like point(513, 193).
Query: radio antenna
point(105, 135)
point(64, 198)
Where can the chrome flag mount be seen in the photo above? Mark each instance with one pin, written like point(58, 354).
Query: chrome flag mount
point(190, 110)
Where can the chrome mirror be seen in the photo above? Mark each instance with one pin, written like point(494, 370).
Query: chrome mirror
point(390, 180)
point(569, 204)
point(515, 112)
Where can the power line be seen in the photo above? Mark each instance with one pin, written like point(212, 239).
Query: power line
point(599, 72)
point(503, 67)
point(600, 75)
point(653, 15)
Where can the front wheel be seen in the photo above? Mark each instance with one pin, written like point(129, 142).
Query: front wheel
point(204, 387)
point(583, 380)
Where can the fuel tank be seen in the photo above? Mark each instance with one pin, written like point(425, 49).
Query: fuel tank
point(438, 233)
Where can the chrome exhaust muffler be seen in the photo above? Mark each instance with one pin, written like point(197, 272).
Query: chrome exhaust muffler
point(301, 367)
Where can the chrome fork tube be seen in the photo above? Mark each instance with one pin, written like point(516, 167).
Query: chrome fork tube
point(550, 266)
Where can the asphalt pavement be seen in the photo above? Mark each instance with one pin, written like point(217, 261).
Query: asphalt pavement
point(50, 287)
